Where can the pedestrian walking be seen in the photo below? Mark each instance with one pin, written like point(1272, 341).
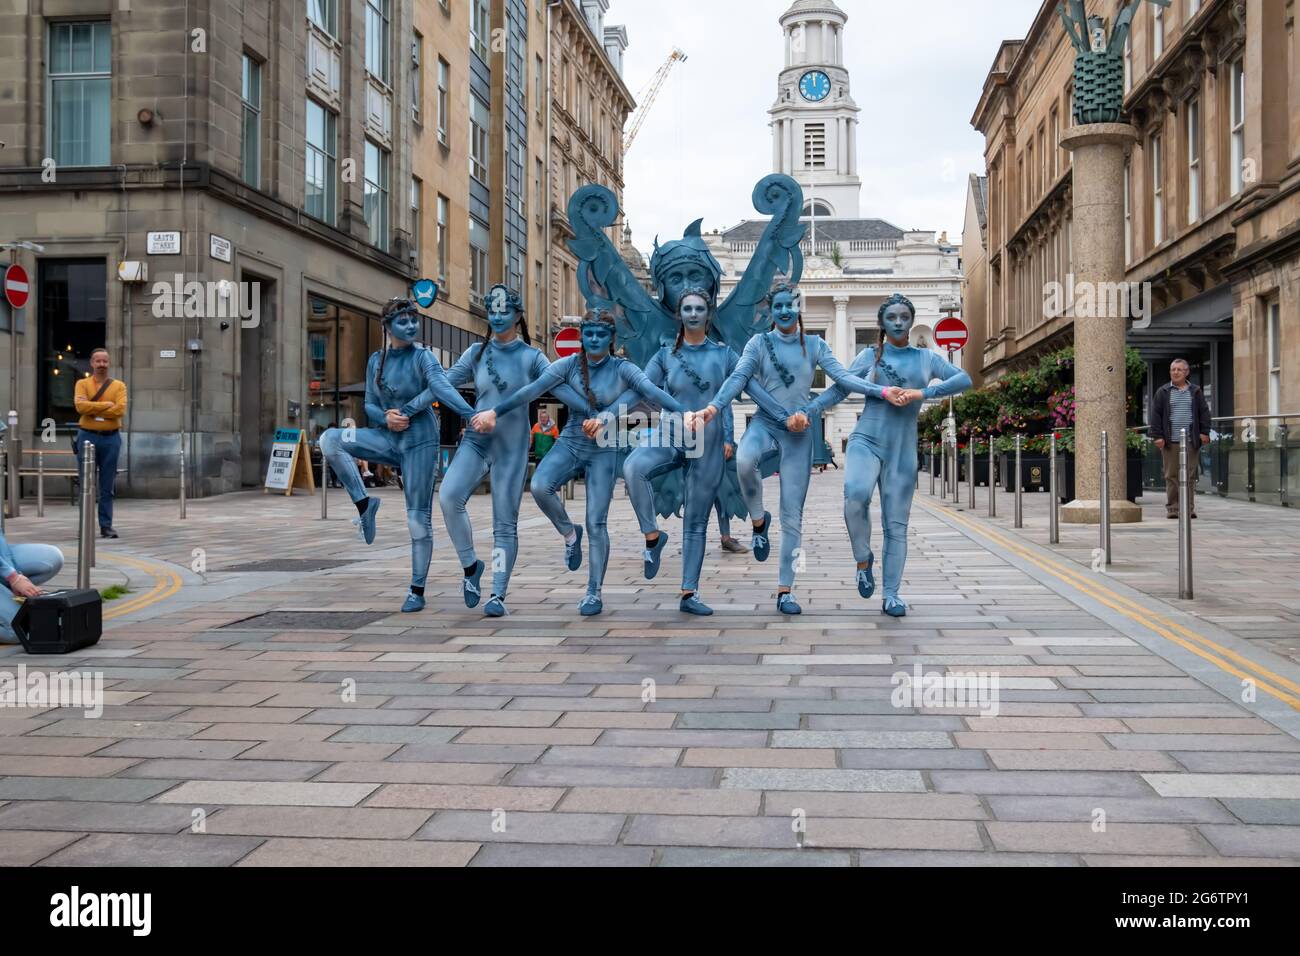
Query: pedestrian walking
point(1178, 406)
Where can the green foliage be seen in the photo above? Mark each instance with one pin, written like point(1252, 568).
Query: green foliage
point(113, 592)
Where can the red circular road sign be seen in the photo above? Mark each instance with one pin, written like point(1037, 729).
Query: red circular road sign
point(16, 286)
point(951, 333)
point(568, 342)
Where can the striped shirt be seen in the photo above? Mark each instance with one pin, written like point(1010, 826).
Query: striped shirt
point(1180, 411)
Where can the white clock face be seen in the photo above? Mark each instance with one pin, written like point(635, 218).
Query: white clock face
point(815, 86)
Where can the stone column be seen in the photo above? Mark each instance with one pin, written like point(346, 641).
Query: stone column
point(843, 348)
point(1100, 383)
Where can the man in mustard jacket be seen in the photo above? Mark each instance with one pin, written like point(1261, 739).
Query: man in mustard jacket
point(101, 403)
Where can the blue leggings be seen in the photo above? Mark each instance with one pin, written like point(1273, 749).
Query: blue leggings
point(864, 470)
point(563, 463)
point(796, 454)
point(508, 464)
point(38, 563)
point(702, 478)
point(419, 463)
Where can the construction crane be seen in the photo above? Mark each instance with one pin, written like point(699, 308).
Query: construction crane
point(647, 96)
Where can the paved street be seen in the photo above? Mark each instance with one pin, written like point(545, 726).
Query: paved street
point(1129, 730)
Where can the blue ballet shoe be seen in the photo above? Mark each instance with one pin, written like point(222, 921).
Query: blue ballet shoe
point(470, 586)
point(495, 607)
point(894, 607)
point(786, 604)
point(414, 602)
point(653, 555)
point(866, 579)
point(761, 544)
point(693, 605)
point(591, 605)
point(366, 521)
point(573, 552)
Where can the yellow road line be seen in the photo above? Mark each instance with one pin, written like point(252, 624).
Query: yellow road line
point(1148, 619)
point(166, 583)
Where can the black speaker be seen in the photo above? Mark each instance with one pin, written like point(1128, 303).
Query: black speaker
point(60, 622)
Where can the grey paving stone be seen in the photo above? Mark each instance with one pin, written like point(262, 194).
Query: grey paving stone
point(876, 806)
point(913, 760)
point(1163, 838)
point(25, 847)
point(351, 822)
point(548, 855)
point(541, 775)
point(92, 789)
point(259, 793)
point(374, 734)
point(84, 816)
point(153, 850)
point(598, 756)
point(1263, 841)
point(1118, 809)
point(1218, 761)
point(884, 722)
point(947, 858)
point(683, 738)
point(724, 857)
point(282, 770)
point(855, 781)
point(1234, 742)
point(1044, 782)
point(696, 720)
point(365, 716)
point(681, 830)
point(164, 729)
point(326, 852)
point(181, 749)
point(469, 753)
point(863, 739)
point(1245, 785)
point(1282, 812)
point(523, 827)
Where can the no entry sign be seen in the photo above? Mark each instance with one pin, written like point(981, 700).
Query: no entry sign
point(951, 333)
point(16, 286)
point(568, 342)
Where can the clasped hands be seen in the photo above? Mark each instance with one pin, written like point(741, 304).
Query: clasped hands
point(902, 397)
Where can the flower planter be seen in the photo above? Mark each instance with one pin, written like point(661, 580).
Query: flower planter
point(1134, 476)
point(1036, 474)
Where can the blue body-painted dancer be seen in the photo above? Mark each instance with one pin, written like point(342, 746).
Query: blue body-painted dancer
point(585, 447)
point(882, 449)
point(691, 371)
point(402, 383)
point(783, 361)
point(496, 368)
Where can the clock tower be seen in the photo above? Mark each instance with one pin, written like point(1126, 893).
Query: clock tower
point(815, 121)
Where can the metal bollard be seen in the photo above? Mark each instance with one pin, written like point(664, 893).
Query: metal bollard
point(86, 540)
point(1185, 505)
point(182, 482)
point(993, 482)
point(1054, 512)
point(931, 469)
point(4, 472)
point(15, 475)
point(1105, 496)
point(324, 484)
point(40, 484)
point(93, 514)
point(970, 470)
point(571, 490)
point(1020, 490)
point(956, 473)
point(943, 470)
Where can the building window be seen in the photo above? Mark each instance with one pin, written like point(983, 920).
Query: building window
point(325, 14)
point(480, 27)
point(444, 99)
point(1275, 357)
point(1128, 63)
point(1056, 144)
point(1157, 32)
point(539, 283)
point(378, 42)
point(1128, 212)
point(539, 178)
point(1157, 193)
point(444, 215)
point(417, 203)
point(1237, 119)
point(417, 77)
point(80, 71)
point(322, 150)
point(539, 80)
point(1193, 160)
point(1193, 8)
point(72, 297)
point(479, 241)
point(250, 160)
point(375, 195)
point(814, 146)
point(480, 122)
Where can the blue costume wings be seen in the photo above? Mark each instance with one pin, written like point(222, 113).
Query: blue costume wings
point(645, 324)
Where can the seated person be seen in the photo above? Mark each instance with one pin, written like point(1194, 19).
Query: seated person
point(23, 567)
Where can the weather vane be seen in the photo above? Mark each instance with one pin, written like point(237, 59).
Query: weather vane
point(1099, 63)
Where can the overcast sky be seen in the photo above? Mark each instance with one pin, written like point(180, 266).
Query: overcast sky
point(917, 68)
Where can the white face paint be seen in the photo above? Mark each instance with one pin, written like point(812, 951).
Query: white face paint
point(694, 313)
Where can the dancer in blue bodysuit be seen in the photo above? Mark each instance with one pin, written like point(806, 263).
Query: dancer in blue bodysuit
point(495, 368)
point(402, 383)
point(782, 361)
point(585, 446)
point(690, 370)
point(882, 449)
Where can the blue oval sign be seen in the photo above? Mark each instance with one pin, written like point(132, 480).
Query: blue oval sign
point(425, 292)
